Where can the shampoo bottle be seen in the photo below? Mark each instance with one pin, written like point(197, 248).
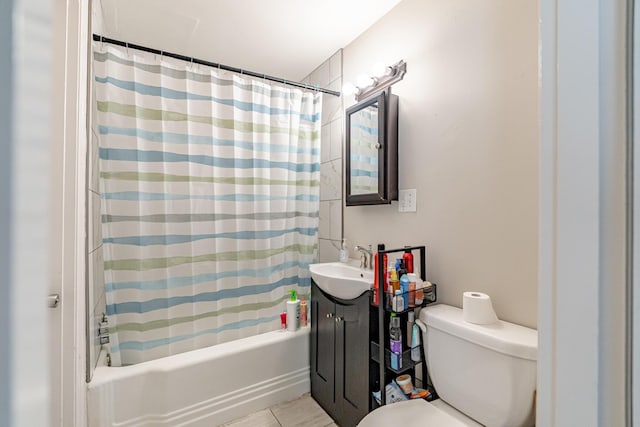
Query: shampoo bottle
point(293, 312)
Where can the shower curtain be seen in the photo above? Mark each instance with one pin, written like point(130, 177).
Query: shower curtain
point(209, 197)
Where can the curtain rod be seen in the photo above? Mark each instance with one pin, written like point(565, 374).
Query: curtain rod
point(103, 39)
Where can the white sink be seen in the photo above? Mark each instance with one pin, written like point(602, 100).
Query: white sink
point(341, 280)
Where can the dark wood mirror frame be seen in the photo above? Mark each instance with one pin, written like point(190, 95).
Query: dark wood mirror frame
point(387, 146)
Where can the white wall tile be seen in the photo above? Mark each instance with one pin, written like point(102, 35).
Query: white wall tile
point(94, 342)
point(329, 251)
point(330, 107)
point(324, 229)
point(336, 139)
point(331, 180)
point(95, 224)
point(97, 274)
point(335, 66)
point(325, 143)
point(335, 219)
point(320, 76)
point(94, 169)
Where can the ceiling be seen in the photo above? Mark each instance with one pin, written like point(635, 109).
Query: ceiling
point(283, 38)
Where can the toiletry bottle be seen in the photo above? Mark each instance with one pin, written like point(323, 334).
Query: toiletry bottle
point(419, 291)
point(303, 313)
point(395, 341)
point(402, 270)
point(411, 297)
point(394, 284)
point(415, 343)
point(411, 316)
point(376, 287)
point(344, 252)
point(407, 256)
point(404, 287)
point(390, 293)
point(398, 302)
point(293, 312)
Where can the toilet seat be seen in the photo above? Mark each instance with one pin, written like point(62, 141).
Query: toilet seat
point(415, 413)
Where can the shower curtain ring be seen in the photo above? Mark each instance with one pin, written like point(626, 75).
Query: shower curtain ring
point(127, 47)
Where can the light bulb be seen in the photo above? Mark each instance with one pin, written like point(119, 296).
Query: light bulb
point(349, 89)
point(380, 69)
point(364, 81)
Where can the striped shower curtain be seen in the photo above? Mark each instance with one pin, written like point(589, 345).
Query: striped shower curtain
point(210, 198)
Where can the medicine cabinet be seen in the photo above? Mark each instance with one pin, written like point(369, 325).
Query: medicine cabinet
point(372, 150)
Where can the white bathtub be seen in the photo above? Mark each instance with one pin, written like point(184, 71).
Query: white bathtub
point(205, 387)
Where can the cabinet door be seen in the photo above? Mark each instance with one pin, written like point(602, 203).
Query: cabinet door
point(322, 350)
point(352, 360)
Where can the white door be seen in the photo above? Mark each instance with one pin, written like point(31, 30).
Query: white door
point(25, 161)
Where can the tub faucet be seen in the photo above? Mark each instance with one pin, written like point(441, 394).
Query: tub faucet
point(366, 256)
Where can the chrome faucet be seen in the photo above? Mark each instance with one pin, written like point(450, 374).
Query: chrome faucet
point(366, 256)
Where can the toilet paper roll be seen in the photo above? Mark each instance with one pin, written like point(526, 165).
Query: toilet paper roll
point(477, 308)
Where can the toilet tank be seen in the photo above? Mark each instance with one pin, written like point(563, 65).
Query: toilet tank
point(487, 372)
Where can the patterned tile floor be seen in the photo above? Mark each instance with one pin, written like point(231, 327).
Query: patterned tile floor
point(303, 411)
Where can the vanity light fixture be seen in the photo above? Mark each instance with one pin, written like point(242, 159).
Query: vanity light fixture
point(382, 77)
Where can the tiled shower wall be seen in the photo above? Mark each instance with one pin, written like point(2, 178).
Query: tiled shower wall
point(95, 257)
point(329, 75)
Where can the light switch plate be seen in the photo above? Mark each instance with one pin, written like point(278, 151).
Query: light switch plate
point(407, 200)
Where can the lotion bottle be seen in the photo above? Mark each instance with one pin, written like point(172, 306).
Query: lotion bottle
point(303, 313)
point(293, 312)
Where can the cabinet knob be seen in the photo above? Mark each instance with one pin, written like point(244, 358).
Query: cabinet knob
point(329, 315)
point(338, 319)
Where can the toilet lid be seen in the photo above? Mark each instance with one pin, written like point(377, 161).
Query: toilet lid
point(412, 413)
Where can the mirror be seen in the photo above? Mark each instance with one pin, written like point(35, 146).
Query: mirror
point(372, 151)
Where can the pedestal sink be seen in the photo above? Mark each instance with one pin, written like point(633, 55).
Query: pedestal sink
point(341, 280)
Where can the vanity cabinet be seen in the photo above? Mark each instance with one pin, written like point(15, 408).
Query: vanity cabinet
point(340, 355)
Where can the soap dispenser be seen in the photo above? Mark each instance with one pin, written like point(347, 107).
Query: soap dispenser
point(344, 252)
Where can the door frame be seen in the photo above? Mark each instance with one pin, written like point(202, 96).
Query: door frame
point(68, 212)
point(581, 290)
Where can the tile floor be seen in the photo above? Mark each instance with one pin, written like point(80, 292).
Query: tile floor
point(303, 411)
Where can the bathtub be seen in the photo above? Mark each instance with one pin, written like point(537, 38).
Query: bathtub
point(205, 387)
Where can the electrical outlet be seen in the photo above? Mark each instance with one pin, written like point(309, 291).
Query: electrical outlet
point(407, 200)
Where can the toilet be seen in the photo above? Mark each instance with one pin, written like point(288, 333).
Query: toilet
point(485, 375)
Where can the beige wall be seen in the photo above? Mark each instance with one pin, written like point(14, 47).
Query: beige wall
point(468, 142)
